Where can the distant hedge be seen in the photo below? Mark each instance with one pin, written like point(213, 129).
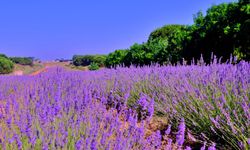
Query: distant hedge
point(22, 60)
point(223, 30)
point(116, 58)
point(6, 65)
point(86, 60)
point(93, 66)
point(3, 55)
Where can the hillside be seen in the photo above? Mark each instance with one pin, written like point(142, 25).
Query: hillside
point(43, 66)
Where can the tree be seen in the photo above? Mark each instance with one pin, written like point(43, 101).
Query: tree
point(164, 32)
point(100, 60)
point(224, 31)
point(3, 55)
point(116, 58)
point(159, 50)
point(138, 52)
point(22, 60)
point(172, 40)
point(85, 60)
point(93, 66)
point(6, 65)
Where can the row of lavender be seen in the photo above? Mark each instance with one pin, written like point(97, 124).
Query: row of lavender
point(205, 107)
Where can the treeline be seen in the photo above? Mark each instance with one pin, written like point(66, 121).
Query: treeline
point(22, 60)
point(94, 62)
point(224, 30)
point(86, 60)
point(7, 63)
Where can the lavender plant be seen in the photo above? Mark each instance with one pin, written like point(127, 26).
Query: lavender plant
point(61, 109)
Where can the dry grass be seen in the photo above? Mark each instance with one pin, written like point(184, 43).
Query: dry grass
point(38, 68)
point(26, 69)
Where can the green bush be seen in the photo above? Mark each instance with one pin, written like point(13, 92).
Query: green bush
point(85, 60)
point(100, 60)
point(93, 66)
point(3, 55)
point(22, 60)
point(82, 60)
point(116, 58)
point(6, 65)
point(223, 30)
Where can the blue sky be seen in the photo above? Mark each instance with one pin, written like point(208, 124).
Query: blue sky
point(50, 29)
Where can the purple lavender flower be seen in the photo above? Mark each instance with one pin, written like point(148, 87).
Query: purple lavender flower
point(103, 139)
point(204, 146)
point(169, 145)
point(11, 140)
point(45, 147)
point(180, 137)
point(143, 102)
point(167, 132)
point(18, 141)
point(8, 121)
point(78, 144)
point(33, 141)
point(151, 108)
point(158, 139)
point(93, 145)
point(212, 147)
point(215, 122)
point(64, 104)
point(188, 148)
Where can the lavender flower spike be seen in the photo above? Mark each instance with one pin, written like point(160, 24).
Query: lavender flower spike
point(212, 147)
point(180, 137)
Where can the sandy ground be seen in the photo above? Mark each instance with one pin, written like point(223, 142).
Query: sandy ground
point(18, 73)
point(39, 71)
point(35, 70)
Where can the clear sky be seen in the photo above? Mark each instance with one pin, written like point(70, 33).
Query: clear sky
point(50, 29)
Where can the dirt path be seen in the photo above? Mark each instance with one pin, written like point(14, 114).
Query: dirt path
point(46, 67)
point(39, 71)
point(18, 73)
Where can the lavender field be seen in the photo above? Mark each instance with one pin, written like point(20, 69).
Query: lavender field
point(148, 108)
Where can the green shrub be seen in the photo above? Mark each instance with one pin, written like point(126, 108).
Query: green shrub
point(22, 60)
point(3, 55)
point(85, 60)
point(93, 66)
point(6, 65)
point(223, 30)
point(100, 60)
point(116, 58)
point(82, 60)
